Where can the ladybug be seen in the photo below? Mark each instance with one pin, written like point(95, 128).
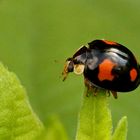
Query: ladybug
point(107, 65)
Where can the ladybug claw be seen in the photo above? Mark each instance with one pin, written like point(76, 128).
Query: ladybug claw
point(114, 93)
point(87, 94)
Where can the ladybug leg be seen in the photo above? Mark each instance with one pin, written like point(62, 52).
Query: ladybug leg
point(89, 87)
point(114, 93)
point(108, 93)
point(95, 91)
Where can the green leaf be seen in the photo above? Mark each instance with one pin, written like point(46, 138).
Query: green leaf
point(95, 122)
point(55, 130)
point(95, 118)
point(17, 119)
point(121, 130)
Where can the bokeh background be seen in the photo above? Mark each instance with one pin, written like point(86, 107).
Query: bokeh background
point(37, 36)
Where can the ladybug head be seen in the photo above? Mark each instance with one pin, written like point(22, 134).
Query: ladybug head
point(72, 66)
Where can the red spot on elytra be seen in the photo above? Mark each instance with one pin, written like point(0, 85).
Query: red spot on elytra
point(133, 74)
point(109, 42)
point(105, 70)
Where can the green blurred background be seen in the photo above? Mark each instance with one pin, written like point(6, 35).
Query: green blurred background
point(37, 36)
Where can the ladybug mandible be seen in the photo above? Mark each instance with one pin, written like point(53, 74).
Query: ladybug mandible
point(107, 65)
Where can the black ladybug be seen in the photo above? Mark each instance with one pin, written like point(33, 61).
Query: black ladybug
point(107, 65)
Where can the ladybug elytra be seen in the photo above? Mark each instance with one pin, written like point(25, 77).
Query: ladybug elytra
point(107, 65)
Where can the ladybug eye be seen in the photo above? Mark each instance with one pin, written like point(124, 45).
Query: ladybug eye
point(79, 69)
point(70, 66)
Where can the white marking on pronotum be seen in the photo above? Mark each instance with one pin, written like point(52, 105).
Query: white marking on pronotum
point(79, 69)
